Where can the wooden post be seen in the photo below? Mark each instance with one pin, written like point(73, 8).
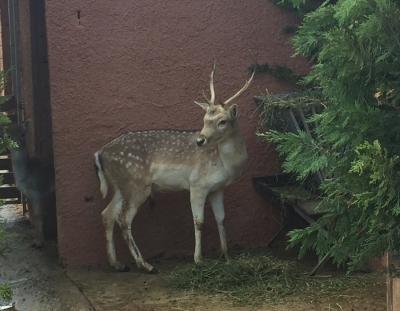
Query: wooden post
point(393, 283)
point(5, 42)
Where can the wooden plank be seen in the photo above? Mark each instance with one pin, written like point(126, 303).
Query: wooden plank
point(9, 105)
point(8, 178)
point(5, 152)
point(5, 165)
point(13, 118)
point(12, 200)
point(5, 38)
point(9, 192)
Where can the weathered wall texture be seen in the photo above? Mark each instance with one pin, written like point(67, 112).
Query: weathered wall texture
point(126, 65)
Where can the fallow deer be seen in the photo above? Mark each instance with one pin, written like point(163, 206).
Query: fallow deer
point(137, 164)
point(34, 179)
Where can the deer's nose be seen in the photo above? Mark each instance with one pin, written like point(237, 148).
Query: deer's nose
point(200, 141)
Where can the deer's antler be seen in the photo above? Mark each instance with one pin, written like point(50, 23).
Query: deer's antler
point(244, 88)
point(210, 102)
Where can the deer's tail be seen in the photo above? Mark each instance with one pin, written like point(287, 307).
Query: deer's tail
point(100, 174)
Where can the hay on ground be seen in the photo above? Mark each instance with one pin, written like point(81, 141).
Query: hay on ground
point(262, 278)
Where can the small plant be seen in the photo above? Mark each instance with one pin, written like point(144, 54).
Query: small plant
point(6, 294)
point(4, 239)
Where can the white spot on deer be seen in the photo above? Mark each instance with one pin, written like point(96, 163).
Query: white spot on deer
point(130, 155)
point(121, 153)
point(128, 164)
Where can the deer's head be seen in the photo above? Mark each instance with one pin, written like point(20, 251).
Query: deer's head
point(220, 119)
point(17, 132)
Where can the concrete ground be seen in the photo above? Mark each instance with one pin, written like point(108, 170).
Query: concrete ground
point(41, 284)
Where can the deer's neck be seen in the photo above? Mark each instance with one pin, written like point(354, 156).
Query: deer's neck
point(233, 152)
point(20, 160)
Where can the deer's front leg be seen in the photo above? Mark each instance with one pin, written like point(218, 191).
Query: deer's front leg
point(197, 200)
point(217, 203)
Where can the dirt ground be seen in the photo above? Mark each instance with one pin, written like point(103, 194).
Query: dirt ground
point(41, 284)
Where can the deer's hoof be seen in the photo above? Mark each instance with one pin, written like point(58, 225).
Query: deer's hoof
point(37, 246)
point(154, 271)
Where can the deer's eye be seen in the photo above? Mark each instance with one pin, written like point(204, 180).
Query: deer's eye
point(222, 122)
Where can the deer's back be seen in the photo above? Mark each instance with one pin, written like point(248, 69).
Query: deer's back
point(168, 160)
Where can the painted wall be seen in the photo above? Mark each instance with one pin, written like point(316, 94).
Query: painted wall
point(117, 66)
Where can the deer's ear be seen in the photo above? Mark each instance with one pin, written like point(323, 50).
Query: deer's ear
point(202, 105)
point(26, 124)
point(233, 111)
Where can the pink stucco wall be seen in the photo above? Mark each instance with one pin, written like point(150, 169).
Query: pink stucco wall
point(130, 65)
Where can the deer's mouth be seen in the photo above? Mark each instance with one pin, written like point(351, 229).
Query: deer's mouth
point(201, 141)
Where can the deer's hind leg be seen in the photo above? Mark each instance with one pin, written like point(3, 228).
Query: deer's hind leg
point(109, 215)
point(128, 212)
point(36, 212)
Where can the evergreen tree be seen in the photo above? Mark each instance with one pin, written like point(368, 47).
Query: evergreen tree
point(355, 49)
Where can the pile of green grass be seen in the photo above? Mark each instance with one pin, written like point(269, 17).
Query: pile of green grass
point(259, 279)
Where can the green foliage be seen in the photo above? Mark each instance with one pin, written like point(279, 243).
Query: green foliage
point(4, 239)
point(304, 156)
point(301, 7)
point(355, 48)
point(6, 294)
point(289, 29)
point(279, 71)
